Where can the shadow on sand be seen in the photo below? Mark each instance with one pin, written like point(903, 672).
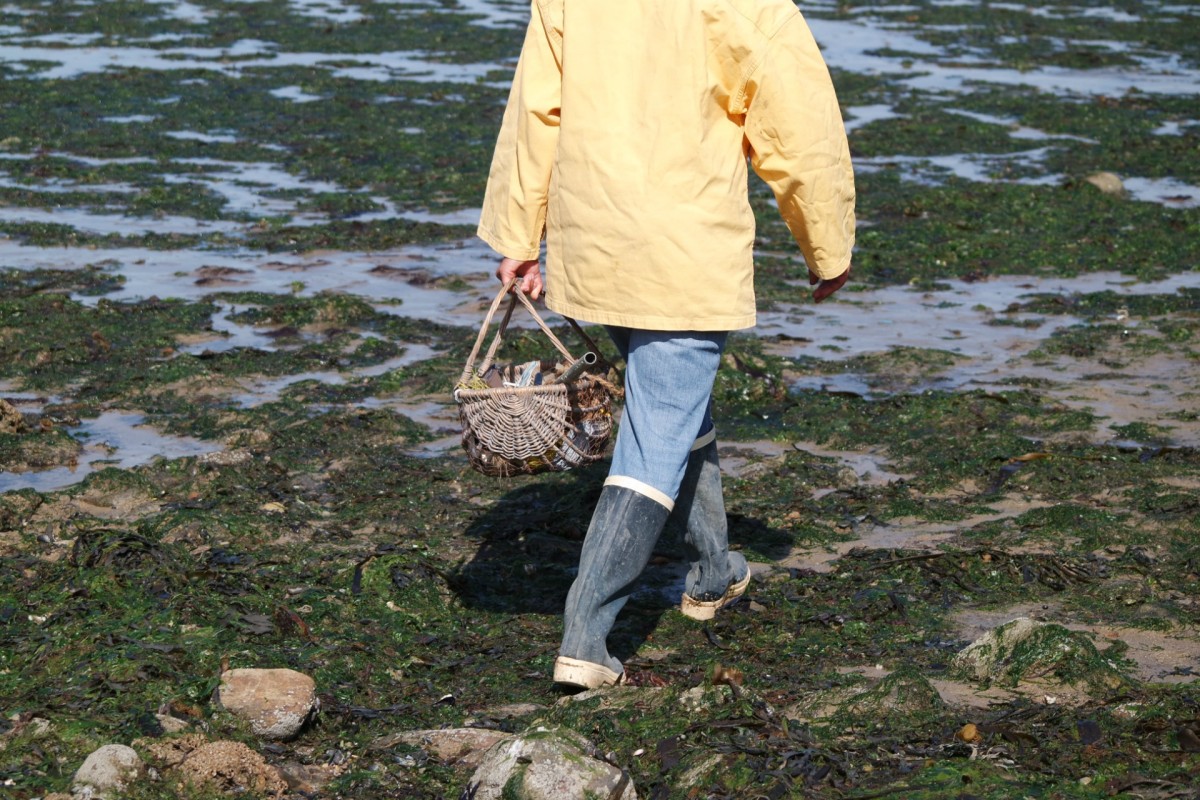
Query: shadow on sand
point(528, 554)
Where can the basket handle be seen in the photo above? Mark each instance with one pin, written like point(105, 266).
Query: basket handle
point(498, 339)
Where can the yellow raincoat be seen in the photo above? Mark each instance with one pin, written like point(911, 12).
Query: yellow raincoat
point(625, 141)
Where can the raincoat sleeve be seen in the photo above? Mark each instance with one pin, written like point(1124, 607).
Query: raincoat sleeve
point(514, 203)
point(798, 146)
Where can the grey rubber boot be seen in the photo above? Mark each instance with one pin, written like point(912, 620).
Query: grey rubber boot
point(717, 576)
point(622, 534)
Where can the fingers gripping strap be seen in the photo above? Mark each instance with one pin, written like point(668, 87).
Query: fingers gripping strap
point(644, 489)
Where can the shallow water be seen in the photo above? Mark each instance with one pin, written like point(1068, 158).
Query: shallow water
point(59, 63)
point(113, 439)
point(266, 390)
point(957, 319)
point(249, 189)
point(856, 45)
point(117, 223)
point(975, 167)
point(177, 273)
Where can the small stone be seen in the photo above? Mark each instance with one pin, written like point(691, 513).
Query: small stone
point(846, 478)
point(167, 753)
point(107, 771)
point(515, 710)
point(968, 733)
point(1107, 182)
point(11, 420)
point(705, 769)
point(1127, 711)
point(464, 746)
point(700, 698)
point(171, 724)
point(304, 778)
point(276, 702)
point(38, 727)
point(226, 458)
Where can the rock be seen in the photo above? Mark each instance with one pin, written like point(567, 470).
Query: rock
point(615, 697)
point(548, 764)
point(707, 767)
point(464, 746)
point(168, 753)
point(846, 478)
point(702, 698)
point(508, 711)
point(276, 702)
point(11, 420)
point(1024, 649)
point(171, 724)
point(1107, 182)
point(514, 710)
point(905, 691)
point(306, 778)
point(225, 458)
point(229, 767)
point(107, 771)
point(39, 727)
point(1128, 711)
point(969, 733)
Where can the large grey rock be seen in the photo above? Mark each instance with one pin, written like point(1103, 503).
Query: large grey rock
point(1026, 650)
point(107, 771)
point(276, 702)
point(548, 764)
point(904, 691)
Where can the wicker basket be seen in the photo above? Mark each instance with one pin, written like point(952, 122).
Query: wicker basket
point(555, 426)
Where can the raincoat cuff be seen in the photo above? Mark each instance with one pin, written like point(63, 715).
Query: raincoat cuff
point(506, 248)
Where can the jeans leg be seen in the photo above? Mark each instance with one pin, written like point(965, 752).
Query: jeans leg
point(668, 390)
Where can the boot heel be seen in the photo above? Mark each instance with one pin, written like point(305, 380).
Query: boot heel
point(704, 610)
point(585, 674)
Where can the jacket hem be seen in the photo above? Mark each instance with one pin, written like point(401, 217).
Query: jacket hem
point(650, 323)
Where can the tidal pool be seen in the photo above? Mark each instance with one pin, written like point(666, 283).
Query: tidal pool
point(113, 439)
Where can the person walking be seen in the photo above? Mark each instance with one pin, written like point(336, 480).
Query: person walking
point(625, 144)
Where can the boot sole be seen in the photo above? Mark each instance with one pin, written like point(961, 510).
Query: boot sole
point(705, 610)
point(585, 674)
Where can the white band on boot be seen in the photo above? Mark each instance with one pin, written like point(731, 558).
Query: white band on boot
point(706, 439)
point(644, 489)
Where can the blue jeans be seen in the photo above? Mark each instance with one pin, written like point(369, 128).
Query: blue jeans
point(668, 397)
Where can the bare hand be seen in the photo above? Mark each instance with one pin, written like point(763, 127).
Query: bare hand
point(826, 286)
point(528, 271)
